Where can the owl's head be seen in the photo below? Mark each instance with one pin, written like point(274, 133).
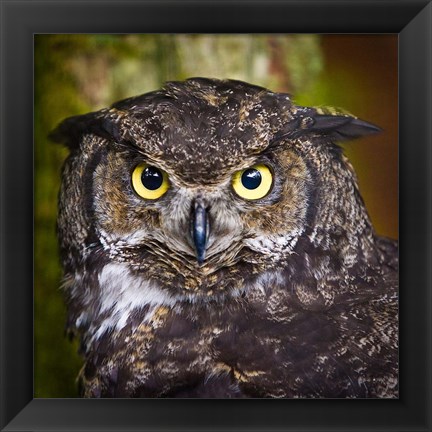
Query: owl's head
point(203, 185)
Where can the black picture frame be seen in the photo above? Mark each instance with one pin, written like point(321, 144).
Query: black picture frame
point(20, 20)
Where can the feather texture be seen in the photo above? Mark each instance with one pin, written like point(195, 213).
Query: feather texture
point(296, 296)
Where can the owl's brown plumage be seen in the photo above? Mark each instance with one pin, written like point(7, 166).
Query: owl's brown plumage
point(215, 244)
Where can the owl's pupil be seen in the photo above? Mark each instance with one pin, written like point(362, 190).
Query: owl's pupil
point(251, 178)
point(152, 178)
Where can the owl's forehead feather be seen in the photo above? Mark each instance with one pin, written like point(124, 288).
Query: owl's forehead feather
point(204, 126)
point(208, 123)
point(205, 92)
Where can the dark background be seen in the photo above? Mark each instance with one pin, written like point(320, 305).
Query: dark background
point(75, 74)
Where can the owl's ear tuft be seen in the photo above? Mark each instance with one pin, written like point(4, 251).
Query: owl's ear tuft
point(342, 127)
point(67, 132)
point(71, 130)
point(339, 127)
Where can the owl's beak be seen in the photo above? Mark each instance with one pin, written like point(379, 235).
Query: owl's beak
point(200, 229)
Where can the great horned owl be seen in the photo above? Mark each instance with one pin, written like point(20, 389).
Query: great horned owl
point(215, 244)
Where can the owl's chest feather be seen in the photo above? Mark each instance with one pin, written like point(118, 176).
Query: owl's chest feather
point(243, 348)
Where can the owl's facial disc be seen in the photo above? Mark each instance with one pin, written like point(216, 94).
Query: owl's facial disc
point(251, 184)
point(203, 223)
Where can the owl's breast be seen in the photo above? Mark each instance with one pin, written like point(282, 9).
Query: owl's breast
point(247, 347)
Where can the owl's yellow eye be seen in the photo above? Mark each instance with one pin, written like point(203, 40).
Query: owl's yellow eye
point(149, 182)
point(253, 183)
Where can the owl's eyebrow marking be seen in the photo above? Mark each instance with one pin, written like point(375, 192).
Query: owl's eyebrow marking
point(127, 145)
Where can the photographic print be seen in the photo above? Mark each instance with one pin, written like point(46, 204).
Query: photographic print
point(216, 216)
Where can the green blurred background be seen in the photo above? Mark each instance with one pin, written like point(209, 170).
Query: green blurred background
point(75, 74)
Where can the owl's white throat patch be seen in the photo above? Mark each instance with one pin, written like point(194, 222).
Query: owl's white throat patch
point(122, 292)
